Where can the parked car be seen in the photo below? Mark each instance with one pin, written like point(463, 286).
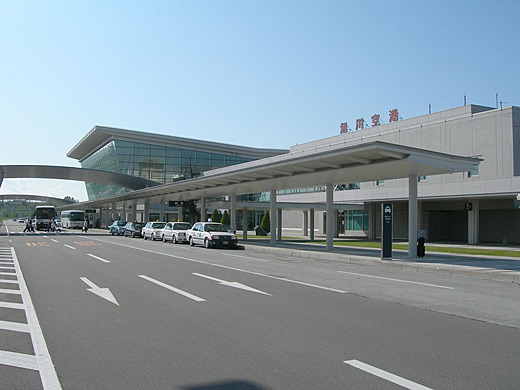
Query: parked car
point(133, 229)
point(211, 234)
point(175, 232)
point(153, 230)
point(118, 227)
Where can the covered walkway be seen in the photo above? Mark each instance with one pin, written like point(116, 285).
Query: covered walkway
point(324, 165)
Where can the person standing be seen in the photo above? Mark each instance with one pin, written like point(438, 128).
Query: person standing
point(85, 226)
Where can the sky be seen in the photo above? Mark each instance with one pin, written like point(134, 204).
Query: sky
point(254, 73)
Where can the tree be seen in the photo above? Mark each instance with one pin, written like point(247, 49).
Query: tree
point(215, 215)
point(265, 224)
point(226, 220)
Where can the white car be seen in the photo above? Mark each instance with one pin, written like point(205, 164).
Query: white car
point(175, 232)
point(211, 234)
point(153, 230)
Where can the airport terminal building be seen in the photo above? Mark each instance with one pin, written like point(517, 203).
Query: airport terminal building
point(475, 206)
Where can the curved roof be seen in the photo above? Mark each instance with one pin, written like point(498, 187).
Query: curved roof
point(100, 135)
point(76, 174)
point(4, 197)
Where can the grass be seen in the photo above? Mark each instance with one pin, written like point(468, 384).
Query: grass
point(429, 247)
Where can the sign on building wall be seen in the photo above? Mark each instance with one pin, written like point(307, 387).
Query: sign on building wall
point(393, 116)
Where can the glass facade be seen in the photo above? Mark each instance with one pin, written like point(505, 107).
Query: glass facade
point(163, 164)
point(357, 220)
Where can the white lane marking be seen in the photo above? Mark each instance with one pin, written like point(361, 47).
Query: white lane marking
point(226, 267)
point(174, 289)
point(98, 258)
point(6, 262)
point(20, 360)
point(52, 239)
point(45, 236)
point(9, 281)
point(68, 246)
point(11, 305)
point(246, 257)
point(7, 267)
point(396, 280)
point(8, 273)
point(6, 228)
point(232, 284)
point(386, 375)
point(104, 293)
point(14, 326)
point(9, 291)
point(48, 373)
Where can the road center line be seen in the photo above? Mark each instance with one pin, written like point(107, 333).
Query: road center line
point(52, 239)
point(396, 280)
point(386, 375)
point(227, 267)
point(174, 289)
point(68, 246)
point(98, 258)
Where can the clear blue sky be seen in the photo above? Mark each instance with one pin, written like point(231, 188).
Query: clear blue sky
point(254, 73)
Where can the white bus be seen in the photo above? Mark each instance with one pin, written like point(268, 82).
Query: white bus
point(43, 217)
point(72, 219)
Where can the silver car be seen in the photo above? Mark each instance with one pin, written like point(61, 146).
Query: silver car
point(175, 232)
point(153, 230)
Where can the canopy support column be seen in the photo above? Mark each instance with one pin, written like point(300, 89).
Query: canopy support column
point(233, 212)
point(412, 216)
point(272, 233)
point(330, 217)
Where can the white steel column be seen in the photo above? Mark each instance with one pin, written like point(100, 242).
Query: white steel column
point(273, 213)
point(203, 216)
point(244, 223)
point(311, 212)
point(233, 212)
point(134, 211)
point(474, 223)
point(330, 217)
point(146, 211)
point(161, 210)
point(279, 220)
point(412, 216)
point(114, 211)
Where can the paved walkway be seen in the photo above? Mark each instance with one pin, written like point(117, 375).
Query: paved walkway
point(476, 266)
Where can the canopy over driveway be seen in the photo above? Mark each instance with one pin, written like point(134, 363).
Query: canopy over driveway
point(72, 173)
point(325, 165)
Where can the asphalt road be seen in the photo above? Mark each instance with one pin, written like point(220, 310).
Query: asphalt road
point(178, 317)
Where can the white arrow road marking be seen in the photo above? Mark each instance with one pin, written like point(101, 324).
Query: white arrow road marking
point(174, 289)
point(232, 284)
point(100, 292)
point(386, 375)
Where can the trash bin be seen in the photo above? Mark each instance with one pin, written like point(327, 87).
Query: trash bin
point(420, 247)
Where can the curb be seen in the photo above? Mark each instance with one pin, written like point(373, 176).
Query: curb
point(446, 270)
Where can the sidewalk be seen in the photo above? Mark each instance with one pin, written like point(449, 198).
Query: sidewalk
point(503, 269)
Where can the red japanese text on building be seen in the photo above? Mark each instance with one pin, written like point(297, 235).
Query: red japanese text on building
point(376, 120)
point(360, 124)
point(394, 115)
point(343, 128)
